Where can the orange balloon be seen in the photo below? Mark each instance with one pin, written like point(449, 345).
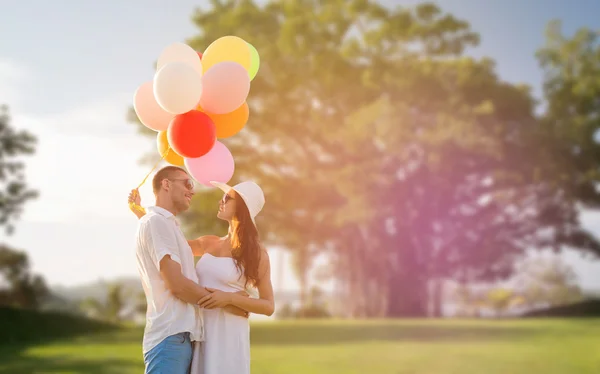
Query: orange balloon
point(231, 123)
point(172, 157)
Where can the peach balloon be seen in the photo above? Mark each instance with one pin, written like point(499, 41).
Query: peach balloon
point(163, 144)
point(225, 87)
point(152, 115)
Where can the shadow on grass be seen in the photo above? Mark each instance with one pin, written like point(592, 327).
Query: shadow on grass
point(23, 325)
point(21, 329)
point(130, 335)
point(15, 359)
point(323, 334)
point(68, 364)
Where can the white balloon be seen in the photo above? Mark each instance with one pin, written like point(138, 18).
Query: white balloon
point(177, 87)
point(179, 52)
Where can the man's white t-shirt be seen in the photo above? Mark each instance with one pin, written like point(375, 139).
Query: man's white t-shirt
point(159, 235)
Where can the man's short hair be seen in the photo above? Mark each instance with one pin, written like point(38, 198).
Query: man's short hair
point(164, 173)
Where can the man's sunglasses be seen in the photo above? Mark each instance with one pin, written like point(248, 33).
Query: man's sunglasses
point(187, 182)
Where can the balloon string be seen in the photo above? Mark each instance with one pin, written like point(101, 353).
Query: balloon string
point(133, 205)
point(154, 167)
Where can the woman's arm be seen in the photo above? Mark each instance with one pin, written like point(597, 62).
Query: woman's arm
point(265, 304)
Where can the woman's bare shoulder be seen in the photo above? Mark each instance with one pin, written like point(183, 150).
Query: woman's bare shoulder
point(208, 240)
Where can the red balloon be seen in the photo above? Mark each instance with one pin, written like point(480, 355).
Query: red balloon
point(192, 134)
point(200, 55)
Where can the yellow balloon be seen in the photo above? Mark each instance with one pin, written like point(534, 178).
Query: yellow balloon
point(227, 48)
point(163, 143)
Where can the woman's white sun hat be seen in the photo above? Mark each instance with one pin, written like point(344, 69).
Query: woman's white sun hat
point(250, 192)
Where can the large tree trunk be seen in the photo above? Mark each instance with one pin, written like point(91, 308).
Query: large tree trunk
point(437, 292)
point(377, 306)
point(357, 280)
point(407, 296)
point(280, 271)
point(304, 269)
point(408, 288)
point(358, 294)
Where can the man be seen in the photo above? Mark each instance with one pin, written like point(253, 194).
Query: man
point(168, 275)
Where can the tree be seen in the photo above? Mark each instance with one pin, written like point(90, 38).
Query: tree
point(469, 299)
point(570, 124)
point(111, 309)
point(14, 192)
point(18, 287)
point(359, 99)
point(547, 282)
point(500, 299)
point(141, 305)
point(378, 143)
point(539, 282)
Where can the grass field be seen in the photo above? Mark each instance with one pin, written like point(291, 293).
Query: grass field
point(378, 347)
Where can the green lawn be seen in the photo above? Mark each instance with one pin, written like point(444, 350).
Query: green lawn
point(378, 347)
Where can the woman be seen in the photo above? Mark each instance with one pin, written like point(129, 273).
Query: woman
point(228, 265)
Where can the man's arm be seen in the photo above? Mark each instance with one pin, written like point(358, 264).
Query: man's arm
point(187, 290)
point(163, 249)
point(182, 287)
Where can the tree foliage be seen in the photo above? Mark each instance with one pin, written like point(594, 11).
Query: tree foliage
point(378, 142)
point(18, 286)
point(547, 282)
point(111, 309)
point(570, 123)
point(14, 192)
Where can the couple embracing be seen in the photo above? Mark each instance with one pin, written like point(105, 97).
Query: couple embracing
point(197, 315)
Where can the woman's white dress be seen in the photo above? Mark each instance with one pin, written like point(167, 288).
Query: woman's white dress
point(226, 345)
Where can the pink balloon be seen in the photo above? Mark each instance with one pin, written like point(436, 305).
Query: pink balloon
point(225, 86)
point(216, 165)
point(147, 109)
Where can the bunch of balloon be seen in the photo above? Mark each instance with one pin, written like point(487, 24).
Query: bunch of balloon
point(196, 98)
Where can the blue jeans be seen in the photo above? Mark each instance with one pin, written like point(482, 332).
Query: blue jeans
point(173, 355)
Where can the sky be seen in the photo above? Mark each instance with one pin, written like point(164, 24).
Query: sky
point(69, 69)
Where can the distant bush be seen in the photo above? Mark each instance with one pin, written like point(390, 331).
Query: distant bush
point(313, 311)
point(309, 311)
point(587, 308)
point(23, 325)
point(285, 312)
